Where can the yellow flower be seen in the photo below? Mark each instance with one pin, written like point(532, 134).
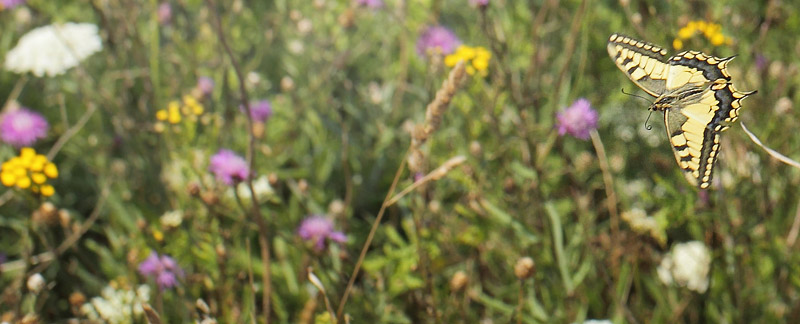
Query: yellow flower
point(717, 40)
point(161, 115)
point(198, 110)
point(158, 235)
point(477, 59)
point(47, 190)
point(685, 32)
point(189, 105)
point(38, 178)
point(29, 171)
point(174, 116)
point(711, 31)
point(677, 44)
point(50, 170)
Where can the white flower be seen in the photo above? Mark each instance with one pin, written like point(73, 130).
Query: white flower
point(172, 219)
point(117, 306)
point(35, 283)
point(261, 188)
point(594, 321)
point(643, 224)
point(53, 49)
point(688, 265)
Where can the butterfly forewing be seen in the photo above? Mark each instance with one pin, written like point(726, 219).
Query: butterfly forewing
point(642, 62)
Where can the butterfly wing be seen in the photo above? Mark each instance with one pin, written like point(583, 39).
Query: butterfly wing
point(642, 62)
point(696, 69)
point(706, 103)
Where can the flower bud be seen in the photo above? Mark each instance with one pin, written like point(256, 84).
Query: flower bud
point(459, 281)
point(525, 268)
point(35, 283)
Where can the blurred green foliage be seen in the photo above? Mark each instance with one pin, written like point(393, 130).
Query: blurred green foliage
point(347, 86)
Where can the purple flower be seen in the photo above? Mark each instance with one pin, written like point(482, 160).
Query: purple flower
point(259, 110)
point(479, 3)
point(319, 229)
point(163, 269)
point(164, 13)
point(8, 4)
point(437, 39)
point(22, 127)
point(578, 120)
point(761, 62)
point(205, 85)
point(229, 167)
point(374, 4)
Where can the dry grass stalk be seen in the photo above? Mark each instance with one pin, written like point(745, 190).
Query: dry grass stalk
point(437, 107)
point(150, 313)
point(433, 116)
point(436, 174)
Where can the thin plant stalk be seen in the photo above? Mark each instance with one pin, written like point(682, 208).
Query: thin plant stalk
point(608, 182)
point(263, 238)
point(433, 119)
point(370, 236)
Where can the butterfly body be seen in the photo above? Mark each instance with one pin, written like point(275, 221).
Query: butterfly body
point(695, 93)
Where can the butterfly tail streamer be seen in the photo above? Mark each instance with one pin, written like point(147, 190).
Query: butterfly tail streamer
point(771, 152)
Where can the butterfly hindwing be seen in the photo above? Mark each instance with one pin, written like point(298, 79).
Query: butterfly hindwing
point(692, 131)
point(642, 62)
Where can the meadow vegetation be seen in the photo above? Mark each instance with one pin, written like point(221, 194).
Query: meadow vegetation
point(394, 161)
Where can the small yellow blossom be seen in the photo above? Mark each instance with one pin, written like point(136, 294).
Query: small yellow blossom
point(29, 171)
point(177, 109)
point(158, 235)
point(477, 59)
point(161, 115)
point(677, 44)
point(711, 31)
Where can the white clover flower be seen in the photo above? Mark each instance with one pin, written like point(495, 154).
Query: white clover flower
point(172, 219)
point(688, 265)
point(643, 224)
point(53, 49)
point(35, 283)
point(120, 306)
point(261, 187)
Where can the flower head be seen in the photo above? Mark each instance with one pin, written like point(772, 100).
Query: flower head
point(117, 305)
point(477, 59)
point(479, 3)
point(437, 40)
point(319, 229)
point(229, 167)
point(260, 110)
point(164, 13)
point(162, 268)
point(9, 4)
point(374, 4)
point(578, 120)
point(53, 49)
point(205, 85)
point(29, 171)
point(711, 31)
point(177, 109)
point(22, 127)
point(688, 265)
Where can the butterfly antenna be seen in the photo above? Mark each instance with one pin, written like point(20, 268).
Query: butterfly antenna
point(646, 126)
point(637, 96)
